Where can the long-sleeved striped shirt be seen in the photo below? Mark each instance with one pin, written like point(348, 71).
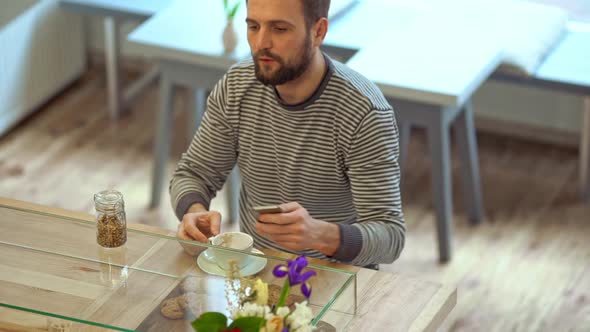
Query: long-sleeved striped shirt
point(336, 154)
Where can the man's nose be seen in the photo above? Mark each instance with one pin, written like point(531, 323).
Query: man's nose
point(264, 39)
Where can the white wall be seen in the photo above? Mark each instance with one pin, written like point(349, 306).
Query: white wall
point(41, 52)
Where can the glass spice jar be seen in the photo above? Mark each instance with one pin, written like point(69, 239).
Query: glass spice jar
point(111, 223)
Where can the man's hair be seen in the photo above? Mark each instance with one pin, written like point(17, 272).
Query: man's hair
point(313, 10)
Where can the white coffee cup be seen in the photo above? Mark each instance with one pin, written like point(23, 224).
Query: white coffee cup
point(235, 240)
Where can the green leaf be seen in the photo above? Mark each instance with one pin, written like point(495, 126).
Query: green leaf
point(225, 5)
point(234, 10)
point(210, 322)
point(248, 324)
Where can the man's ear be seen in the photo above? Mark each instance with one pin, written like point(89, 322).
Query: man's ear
point(320, 28)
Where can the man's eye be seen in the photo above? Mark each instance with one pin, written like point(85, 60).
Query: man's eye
point(280, 29)
point(253, 27)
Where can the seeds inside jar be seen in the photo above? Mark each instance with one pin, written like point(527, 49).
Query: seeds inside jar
point(111, 231)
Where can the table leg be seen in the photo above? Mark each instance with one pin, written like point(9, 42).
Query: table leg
point(162, 139)
point(196, 111)
point(85, 42)
point(111, 35)
point(438, 139)
point(233, 195)
point(405, 130)
point(585, 153)
point(467, 143)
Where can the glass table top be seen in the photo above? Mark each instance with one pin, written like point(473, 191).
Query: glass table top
point(54, 276)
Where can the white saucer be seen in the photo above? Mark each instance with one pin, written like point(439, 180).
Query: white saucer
point(255, 265)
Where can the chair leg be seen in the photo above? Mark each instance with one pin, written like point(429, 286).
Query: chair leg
point(467, 143)
point(585, 153)
point(196, 110)
point(405, 130)
point(438, 138)
point(162, 140)
point(112, 52)
point(233, 195)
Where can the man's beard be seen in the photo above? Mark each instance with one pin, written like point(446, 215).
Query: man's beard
point(285, 72)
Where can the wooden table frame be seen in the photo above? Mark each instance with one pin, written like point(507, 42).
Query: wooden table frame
point(380, 295)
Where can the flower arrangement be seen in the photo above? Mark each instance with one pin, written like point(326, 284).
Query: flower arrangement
point(254, 313)
point(231, 10)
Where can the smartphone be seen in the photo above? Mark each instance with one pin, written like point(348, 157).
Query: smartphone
point(268, 209)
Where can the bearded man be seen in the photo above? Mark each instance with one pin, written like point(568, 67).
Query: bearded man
point(308, 134)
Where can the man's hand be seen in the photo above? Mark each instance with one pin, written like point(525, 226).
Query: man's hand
point(295, 229)
point(198, 224)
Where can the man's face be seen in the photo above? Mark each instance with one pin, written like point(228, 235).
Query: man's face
point(279, 40)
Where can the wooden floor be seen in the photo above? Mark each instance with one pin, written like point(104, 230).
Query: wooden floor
point(526, 268)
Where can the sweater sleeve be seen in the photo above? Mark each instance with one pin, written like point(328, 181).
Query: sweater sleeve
point(204, 167)
point(374, 175)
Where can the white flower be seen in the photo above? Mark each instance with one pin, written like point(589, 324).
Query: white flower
point(282, 312)
point(300, 319)
point(250, 309)
point(269, 316)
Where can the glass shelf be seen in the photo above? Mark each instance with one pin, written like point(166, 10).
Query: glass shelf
point(54, 276)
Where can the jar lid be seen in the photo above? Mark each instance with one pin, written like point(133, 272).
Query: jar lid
point(108, 199)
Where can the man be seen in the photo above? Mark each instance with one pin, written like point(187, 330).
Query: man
point(308, 134)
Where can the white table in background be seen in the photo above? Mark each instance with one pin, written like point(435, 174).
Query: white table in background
point(113, 13)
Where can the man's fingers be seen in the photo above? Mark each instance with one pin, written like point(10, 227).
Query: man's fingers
point(274, 218)
point(182, 234)
point(273, 229)
point(209, 224)
point(291, 206)
point(215, 222)
point(291, 214)
point(190, 227)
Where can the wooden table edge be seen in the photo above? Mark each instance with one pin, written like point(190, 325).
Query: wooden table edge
point(434, 314)
point(22, 205)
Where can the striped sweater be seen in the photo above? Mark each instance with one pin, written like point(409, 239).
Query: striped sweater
point(336, 154)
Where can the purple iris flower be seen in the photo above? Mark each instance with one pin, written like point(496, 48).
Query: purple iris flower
point(296, 275)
